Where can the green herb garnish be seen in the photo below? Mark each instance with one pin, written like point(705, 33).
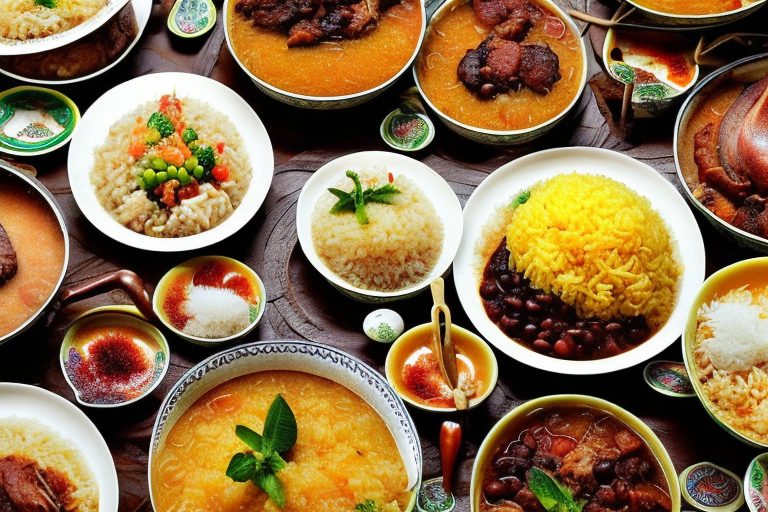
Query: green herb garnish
point(553, 496)
point(263, 461)
point(367, 506)
point(645, 92)
point(624, 72)
point(355, 200)
point(521, 199)
point(50, 4)
point(161, 123)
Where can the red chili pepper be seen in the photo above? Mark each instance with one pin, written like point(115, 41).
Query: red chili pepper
point(450, 442)
point(391, 177)
point(220, 147)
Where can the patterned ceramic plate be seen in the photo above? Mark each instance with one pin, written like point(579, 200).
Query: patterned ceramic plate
point(668, 378)
point(35, 120)
point(711, 488)
point(192, 18)
point(756, 484)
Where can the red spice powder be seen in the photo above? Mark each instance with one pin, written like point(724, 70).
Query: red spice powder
point(423, 379)
point(115, 358)
point(213, 273)
point(174, 298)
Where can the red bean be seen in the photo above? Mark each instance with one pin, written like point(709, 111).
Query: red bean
point(532, 306)
point(544, 298)
point(530, 330)
point(547, 323)
point(489, 290)
point(562, 348)
point(613, 327)
point(494, 490)
point(542, 346)
point(515, 302)
point(509, 325)
point(544, 335)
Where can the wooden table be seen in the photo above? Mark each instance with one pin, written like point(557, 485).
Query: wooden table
point(301, 305)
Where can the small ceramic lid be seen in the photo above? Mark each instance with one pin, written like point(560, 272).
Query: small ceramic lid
point(407, 131)
point(710, 488)
point(35, 120)
point(192, 18)
point(668, 378)
point(756, 484)
point(433, 498)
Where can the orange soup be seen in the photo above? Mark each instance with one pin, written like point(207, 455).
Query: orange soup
point(36, 236)
point(458, 31)
point(692, 6)
point(331, 68)
point(344, 454)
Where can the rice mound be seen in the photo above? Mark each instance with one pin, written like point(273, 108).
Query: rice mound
point(114, 177)
point(737, 397)
point(30, 438)
point(598, 245)
point(24, 19)
point(397, 248)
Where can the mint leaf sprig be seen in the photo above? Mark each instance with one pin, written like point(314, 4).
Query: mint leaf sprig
point(367, 506)
point(50, 4)
point(356, 200)
point(553, 496)
point(263, 461)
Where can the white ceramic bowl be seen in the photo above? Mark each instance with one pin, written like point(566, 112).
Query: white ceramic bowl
point(53, 411)
point(311, 358)
point(115, 103)
point(438, 191)
point(142, 10)
point(504, 183)
point(42, 44)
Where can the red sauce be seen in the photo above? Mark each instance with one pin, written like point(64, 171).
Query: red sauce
point(424, 379)
point(217, 274)
point(174, 299)
point(112, 368)
point(679, 70)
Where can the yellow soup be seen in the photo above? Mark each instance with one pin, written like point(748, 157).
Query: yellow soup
point(691, 6)
point(343, 456)
point(331, 68)
point(36, 237)
point(458, 31)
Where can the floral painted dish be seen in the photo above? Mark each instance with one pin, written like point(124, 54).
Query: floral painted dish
point(110, 357)
point(710, 488)
point(756, 484)
point(668, 378)
point(35, 120)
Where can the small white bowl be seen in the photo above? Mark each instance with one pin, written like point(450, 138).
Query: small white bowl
point(441, 195)
point(57, 413)
point(514, 177)
point(119, 101)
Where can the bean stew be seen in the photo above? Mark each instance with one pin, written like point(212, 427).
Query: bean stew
point(543, 322)
point(604, 464)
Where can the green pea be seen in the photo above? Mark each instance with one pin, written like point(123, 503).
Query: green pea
point(162, 177)
point(150, 178)
point(145, 163)
point(172, 171)
point(191, 163)
point(158, 164)
point(184, 177)
point(142, 184)
point(198, 172)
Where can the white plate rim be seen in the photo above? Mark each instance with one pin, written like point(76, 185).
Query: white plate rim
point(95, 445)
point(54, 41)
point(623, 168)
point(125, 97)
point(332, 172)
point(142, 10)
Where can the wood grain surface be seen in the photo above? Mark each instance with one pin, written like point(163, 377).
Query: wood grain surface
point(301, 305)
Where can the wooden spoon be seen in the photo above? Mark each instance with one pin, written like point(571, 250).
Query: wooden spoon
point(443, 344)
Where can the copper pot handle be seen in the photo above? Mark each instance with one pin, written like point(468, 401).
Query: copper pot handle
point(125, 280)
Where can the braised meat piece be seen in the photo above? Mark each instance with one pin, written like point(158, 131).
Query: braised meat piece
point(502, 64)
point(25, 487)
point(8, 262)
point(752, 216)
point(493, 12)
point(540, 68)
point(716, 202)
point(470, 65)
point(705, 149)
point(307, 22)
point(514, 29)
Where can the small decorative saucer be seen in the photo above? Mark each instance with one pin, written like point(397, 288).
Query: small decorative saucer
point(668, 378)
point(433, 498)
point(383, 325)
point(756, 484)
point(192, 18)
point(711, 488)
point(35, 120)
point(407, 128)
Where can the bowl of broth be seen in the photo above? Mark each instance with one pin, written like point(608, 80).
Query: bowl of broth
point(34, 250)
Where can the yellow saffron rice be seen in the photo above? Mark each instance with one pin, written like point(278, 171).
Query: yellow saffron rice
point(598, 245)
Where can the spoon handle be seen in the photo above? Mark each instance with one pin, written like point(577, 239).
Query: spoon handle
point(125, 280)
point(450, 442)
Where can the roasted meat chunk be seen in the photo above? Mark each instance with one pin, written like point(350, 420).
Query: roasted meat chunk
point(25, 487)
point(540, 67)
point(8, 262)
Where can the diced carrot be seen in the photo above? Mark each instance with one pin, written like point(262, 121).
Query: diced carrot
point(561, 445)
point(171, 155)
point(137, 149)
point(220, 172)
point(220, 147)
